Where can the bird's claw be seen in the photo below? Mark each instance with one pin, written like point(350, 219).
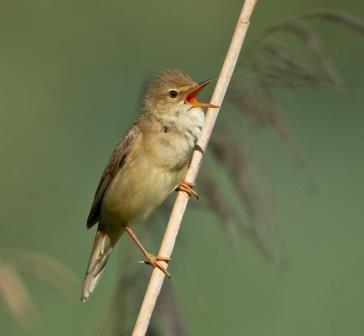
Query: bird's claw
point(153, 261)
point(187, 187)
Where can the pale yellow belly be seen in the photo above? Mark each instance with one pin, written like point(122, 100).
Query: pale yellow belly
point(137, 190)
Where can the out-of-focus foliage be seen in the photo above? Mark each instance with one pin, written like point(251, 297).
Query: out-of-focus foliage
point(14, 293)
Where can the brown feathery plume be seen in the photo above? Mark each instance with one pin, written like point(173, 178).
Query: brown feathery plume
point(211, 196)
point(13, 291)
point(231, 156)
point(339, 17)
point(15, 295)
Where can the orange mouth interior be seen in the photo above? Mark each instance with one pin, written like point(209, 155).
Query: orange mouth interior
point(191, 97)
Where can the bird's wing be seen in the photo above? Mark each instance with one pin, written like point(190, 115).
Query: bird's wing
point(115, 163)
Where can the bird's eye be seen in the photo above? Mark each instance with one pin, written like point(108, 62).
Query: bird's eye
point(173, 93)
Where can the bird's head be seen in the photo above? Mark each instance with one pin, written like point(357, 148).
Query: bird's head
point(174, 92)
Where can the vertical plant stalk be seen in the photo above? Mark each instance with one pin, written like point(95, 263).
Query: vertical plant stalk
point(156, 280)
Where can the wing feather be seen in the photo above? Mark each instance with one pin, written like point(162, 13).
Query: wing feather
point(115, 163)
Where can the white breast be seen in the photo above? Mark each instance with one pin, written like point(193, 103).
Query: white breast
point(183, 127)
point(192, 121)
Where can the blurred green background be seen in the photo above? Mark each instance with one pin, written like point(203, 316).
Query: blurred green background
point(71, 78)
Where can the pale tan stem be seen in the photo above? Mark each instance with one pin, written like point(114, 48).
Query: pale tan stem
point(156, 280)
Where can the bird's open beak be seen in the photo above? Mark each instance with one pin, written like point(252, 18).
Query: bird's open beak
point(192, 94)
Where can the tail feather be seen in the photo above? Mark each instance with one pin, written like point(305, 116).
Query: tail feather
point(101, 251)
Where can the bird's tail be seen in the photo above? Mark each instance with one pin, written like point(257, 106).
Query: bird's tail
point(101, 250)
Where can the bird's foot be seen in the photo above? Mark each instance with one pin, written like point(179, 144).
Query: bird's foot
point(153, 261)
point(187, 187)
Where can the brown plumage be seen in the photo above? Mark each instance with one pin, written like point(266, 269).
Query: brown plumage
point(148, 163)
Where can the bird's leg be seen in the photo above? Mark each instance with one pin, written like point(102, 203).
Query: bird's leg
point(151, 259)
point(187, 187)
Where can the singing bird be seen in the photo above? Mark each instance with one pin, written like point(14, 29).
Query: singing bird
point(148, 163)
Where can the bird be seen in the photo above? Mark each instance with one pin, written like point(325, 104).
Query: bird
point(148, 164)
